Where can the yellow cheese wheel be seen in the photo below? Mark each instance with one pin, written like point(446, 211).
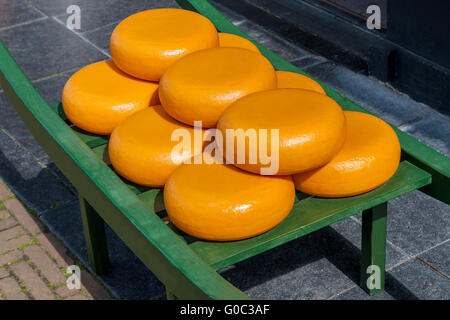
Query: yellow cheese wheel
point(219, 202)
point(200, 86)
point(310, 128)
point(369, 157)
point(234, 41)
point(141, 146)
point(288, 79)
point(146, 43)
point(97, 97)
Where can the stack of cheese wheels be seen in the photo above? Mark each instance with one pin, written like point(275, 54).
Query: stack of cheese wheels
point(171, 72)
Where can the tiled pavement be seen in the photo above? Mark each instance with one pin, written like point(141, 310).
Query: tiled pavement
point(33, 263)
point(323, 265)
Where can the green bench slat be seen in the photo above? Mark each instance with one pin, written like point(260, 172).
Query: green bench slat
point(154, 199)
point(310, 215)
point(58, 108)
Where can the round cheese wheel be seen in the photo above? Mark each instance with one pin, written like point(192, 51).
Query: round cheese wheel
point(299, 129)
point(369, 157)
point(146, 43)
point(143, 148)
point(97, 97)
point(235, 41)
point(200, 86)
point(219, 202)
point(288, 79)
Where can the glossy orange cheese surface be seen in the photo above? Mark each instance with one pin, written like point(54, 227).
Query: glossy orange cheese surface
point(310, 128)
point(140, 147)
point(200, 86)
point(222, 203)
point(97, 97)
point(288, 79)
point(369, 157)
point(146, 43)
point(235, 41)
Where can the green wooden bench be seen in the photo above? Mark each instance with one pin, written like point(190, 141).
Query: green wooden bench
point(188, 266)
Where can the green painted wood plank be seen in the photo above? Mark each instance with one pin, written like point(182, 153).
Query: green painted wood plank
point(153, 198)
point(310, 215)
point(94, 234)
point(373, 248)
point(414, 151)
point(58, 108)
point(92, 140)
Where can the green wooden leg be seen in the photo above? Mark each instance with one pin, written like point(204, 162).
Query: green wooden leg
point(373, 249)
point(170, 295)
point(94, 232)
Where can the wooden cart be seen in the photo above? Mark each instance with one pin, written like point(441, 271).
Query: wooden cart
point(188, 267)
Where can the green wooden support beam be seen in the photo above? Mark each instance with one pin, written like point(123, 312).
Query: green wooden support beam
point(94, 233)
point(373, 249)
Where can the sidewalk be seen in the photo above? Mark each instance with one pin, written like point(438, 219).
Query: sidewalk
point(33, 262)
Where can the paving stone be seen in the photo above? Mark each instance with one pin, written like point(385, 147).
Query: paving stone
point(308, 62)
point(35, 186)
point(46, 47)
point(370, 94)
point(15, 243)
point(95, 16)
point(17, 11)
point(4, 191)
point(231, 15)
point(47, 267)
point(77, 297)
point(11, 121)
point(9, 257)
point(433, 131)
point(11, 289)
point(55, 248)
point(53, 8)
point(272, 42)
point(32, 281)
point(23, 216)
point(93, 288)
point(439, 258)
point(417, 222)
point(11, 233)
point(51, 88)
point(3, 273)
point(409, 281)
point(4, 215)
point(6, 224)
point(351, 230)
point(316, 266)
point(101, 36)
point(65, 292)
point(128, 277)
